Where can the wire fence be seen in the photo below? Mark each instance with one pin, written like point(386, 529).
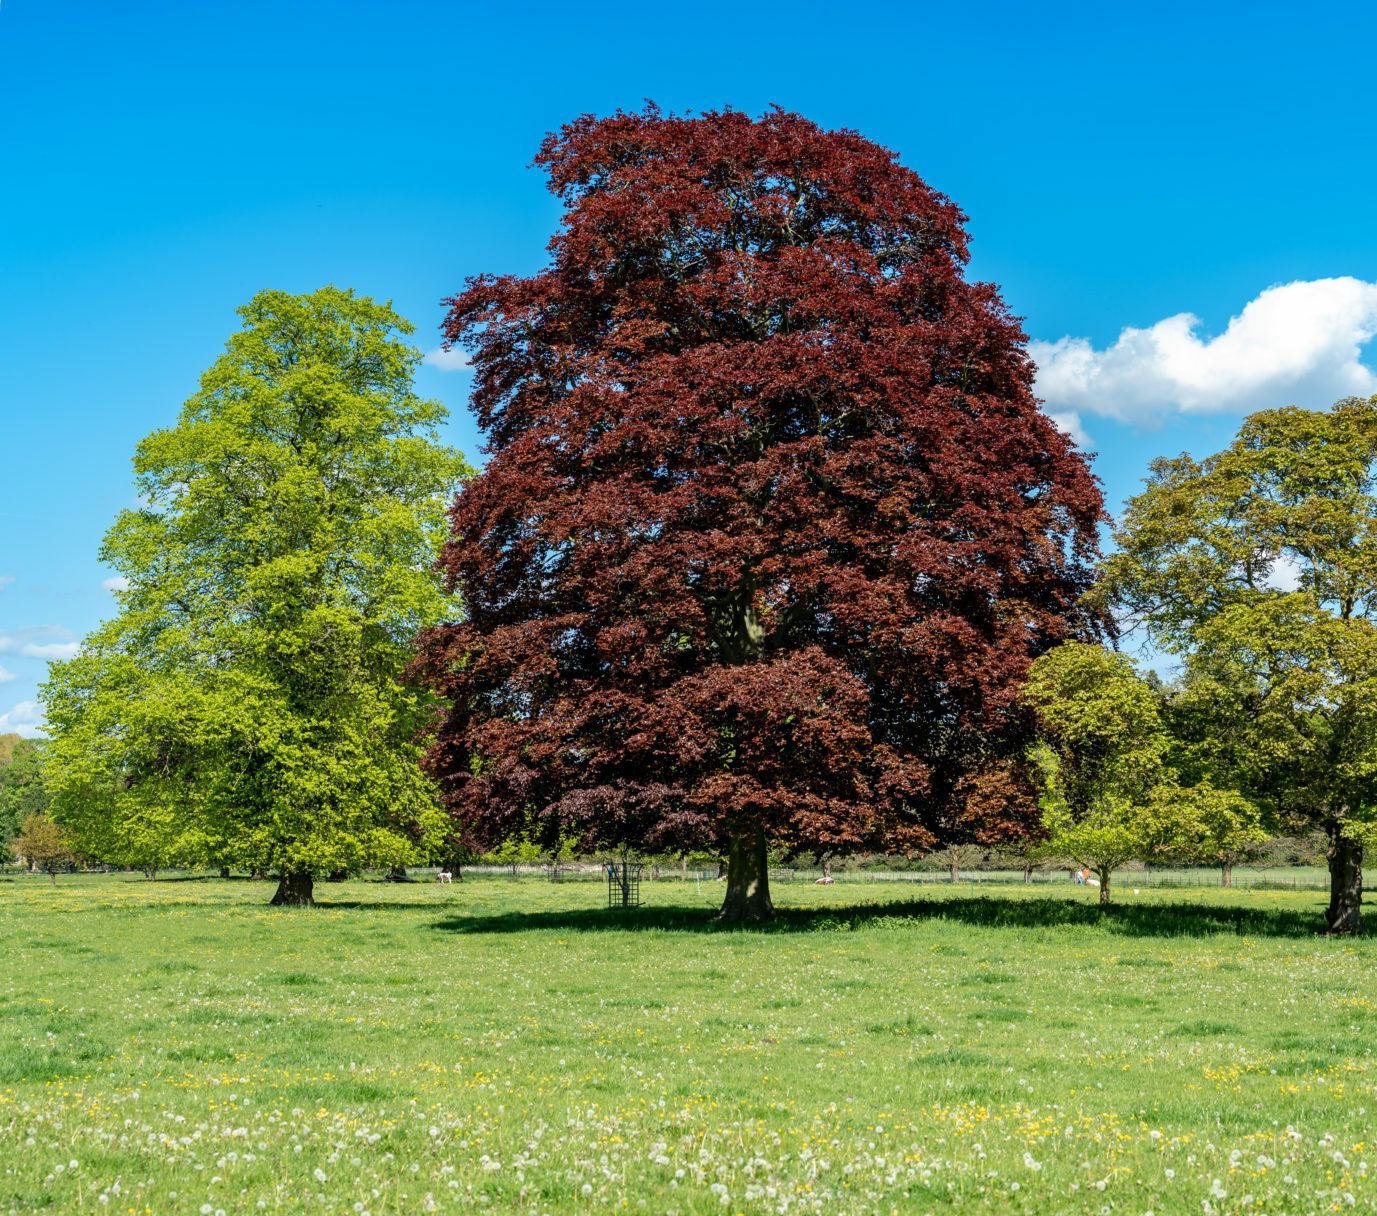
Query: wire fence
point(1277, 878)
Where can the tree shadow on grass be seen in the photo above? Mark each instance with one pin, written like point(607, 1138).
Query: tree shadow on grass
point(1129, 920)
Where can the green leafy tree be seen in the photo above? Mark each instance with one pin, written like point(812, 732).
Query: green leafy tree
point(1102, 758)
point(43, 844)
point(23, 791)
point(247, 704)
point(1201, 824)
point(1258, 566)
point(8, 743)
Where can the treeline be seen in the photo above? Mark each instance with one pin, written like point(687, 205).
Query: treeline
point(773, 555)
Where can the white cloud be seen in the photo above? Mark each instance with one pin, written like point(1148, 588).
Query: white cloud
point(1295, 344)
point(1070, 422)
point(115, 584)
point(5, 580)
point(23, 719)
point(51, 650)
point(6, 675)
point(27, 644)
point(454, 360)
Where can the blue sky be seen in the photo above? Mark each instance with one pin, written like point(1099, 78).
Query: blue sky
point(1178, 199)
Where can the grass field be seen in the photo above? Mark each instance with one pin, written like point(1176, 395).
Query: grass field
point(178, 1047)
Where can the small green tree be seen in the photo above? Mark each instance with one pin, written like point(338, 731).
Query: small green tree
point(248, 702)
point(1108, 795)
point(43, 845)
point(23, 791)
point(1102, 757)
point(1211, 826)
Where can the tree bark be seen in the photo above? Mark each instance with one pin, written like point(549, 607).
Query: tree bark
point(1226, 874)
point(827, 867)
point(1104, 887)
point(1345, 856)
point(1027, 874)
point(748, 881)
point(295, 891)
point(224, 872)
point(955, 871)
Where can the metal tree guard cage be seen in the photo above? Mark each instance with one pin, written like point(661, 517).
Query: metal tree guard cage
point(624, 884)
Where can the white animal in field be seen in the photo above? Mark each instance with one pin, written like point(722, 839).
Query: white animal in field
point(1094, 882)
point(825, 881)
point(444, 876)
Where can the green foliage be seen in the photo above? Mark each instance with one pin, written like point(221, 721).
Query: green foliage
point(1102, 725)
point(23, 791)
point(8, 743)
point(43, 844)
point(247, 704)
point(1108, 795)
point(1259, 567)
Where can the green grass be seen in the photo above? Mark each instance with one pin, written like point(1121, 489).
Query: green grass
point(179, 1047)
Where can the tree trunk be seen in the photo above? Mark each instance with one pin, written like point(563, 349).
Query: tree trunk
point(1027, 874)
point(1104, 887)
point(150, 872)
point(748, 881)
point(827, 867)
point(337, 876)
point(1345, 856)
point(224, 872)
point(295, 891)
point(1226, 874)
point(955, 871)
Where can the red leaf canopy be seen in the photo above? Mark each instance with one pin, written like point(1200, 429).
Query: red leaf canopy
point(771, 525)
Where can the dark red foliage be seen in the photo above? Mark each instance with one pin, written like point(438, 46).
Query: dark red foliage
point(771, 526)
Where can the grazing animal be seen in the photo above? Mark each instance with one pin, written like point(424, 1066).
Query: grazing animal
point(825, 881)
point(444, 876)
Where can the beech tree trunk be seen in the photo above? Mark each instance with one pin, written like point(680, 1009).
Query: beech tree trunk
point(1226, 874)
point(1345, 856)
point(295, 891)
point(748, 881)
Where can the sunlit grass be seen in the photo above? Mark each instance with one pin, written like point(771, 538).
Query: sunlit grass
point(179, 1047)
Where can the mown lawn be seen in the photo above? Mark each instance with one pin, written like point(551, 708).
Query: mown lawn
point(179, 1047)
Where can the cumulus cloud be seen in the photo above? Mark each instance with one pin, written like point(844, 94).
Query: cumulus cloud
point(447, 360)
point(115, 584)
point(23, 719)
point(1295, 344)
point(6, 675)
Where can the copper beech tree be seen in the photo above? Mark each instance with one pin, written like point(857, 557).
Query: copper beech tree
point(771, 526)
